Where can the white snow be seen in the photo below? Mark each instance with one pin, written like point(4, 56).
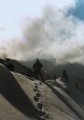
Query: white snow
point(23, 98)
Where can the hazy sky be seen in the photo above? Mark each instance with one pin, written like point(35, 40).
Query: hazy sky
point(43, 29)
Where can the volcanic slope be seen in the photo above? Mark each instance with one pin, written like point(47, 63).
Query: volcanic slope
point(22, 98)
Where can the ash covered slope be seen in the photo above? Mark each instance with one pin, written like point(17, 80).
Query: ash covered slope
point(16, 96)
point(25, 99)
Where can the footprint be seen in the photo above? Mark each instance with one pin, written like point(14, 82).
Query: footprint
point(35, 90)
point(36, 98)
point(40, 113)
point(39, 105)
point(48, 116)
point(38, 94)
point(46, 98)
point(36, 83)
point(36, 87)
point(47, 102)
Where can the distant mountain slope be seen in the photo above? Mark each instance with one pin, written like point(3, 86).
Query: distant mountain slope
point(74, 69)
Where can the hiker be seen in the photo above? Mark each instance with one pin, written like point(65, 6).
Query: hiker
point(55, 77)
point(65, 75)
point(37, 69)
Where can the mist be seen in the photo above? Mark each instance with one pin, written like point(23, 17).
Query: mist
point(51, 35)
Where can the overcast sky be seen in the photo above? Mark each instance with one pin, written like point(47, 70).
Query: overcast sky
point(43, 29)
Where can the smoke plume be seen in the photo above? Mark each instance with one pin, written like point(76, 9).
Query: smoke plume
point(52, 35)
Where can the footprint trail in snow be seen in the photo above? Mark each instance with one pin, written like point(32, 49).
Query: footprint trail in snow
point(42, 101)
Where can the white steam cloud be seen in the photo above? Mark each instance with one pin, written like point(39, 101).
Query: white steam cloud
point(52, 35)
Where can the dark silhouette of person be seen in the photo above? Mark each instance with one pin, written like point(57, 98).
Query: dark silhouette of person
point(65, 75)
point(55, 77)
point(37, 69)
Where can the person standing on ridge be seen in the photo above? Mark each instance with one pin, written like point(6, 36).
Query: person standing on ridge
point(37, 69)
point(55, 77)
point(65, 75)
